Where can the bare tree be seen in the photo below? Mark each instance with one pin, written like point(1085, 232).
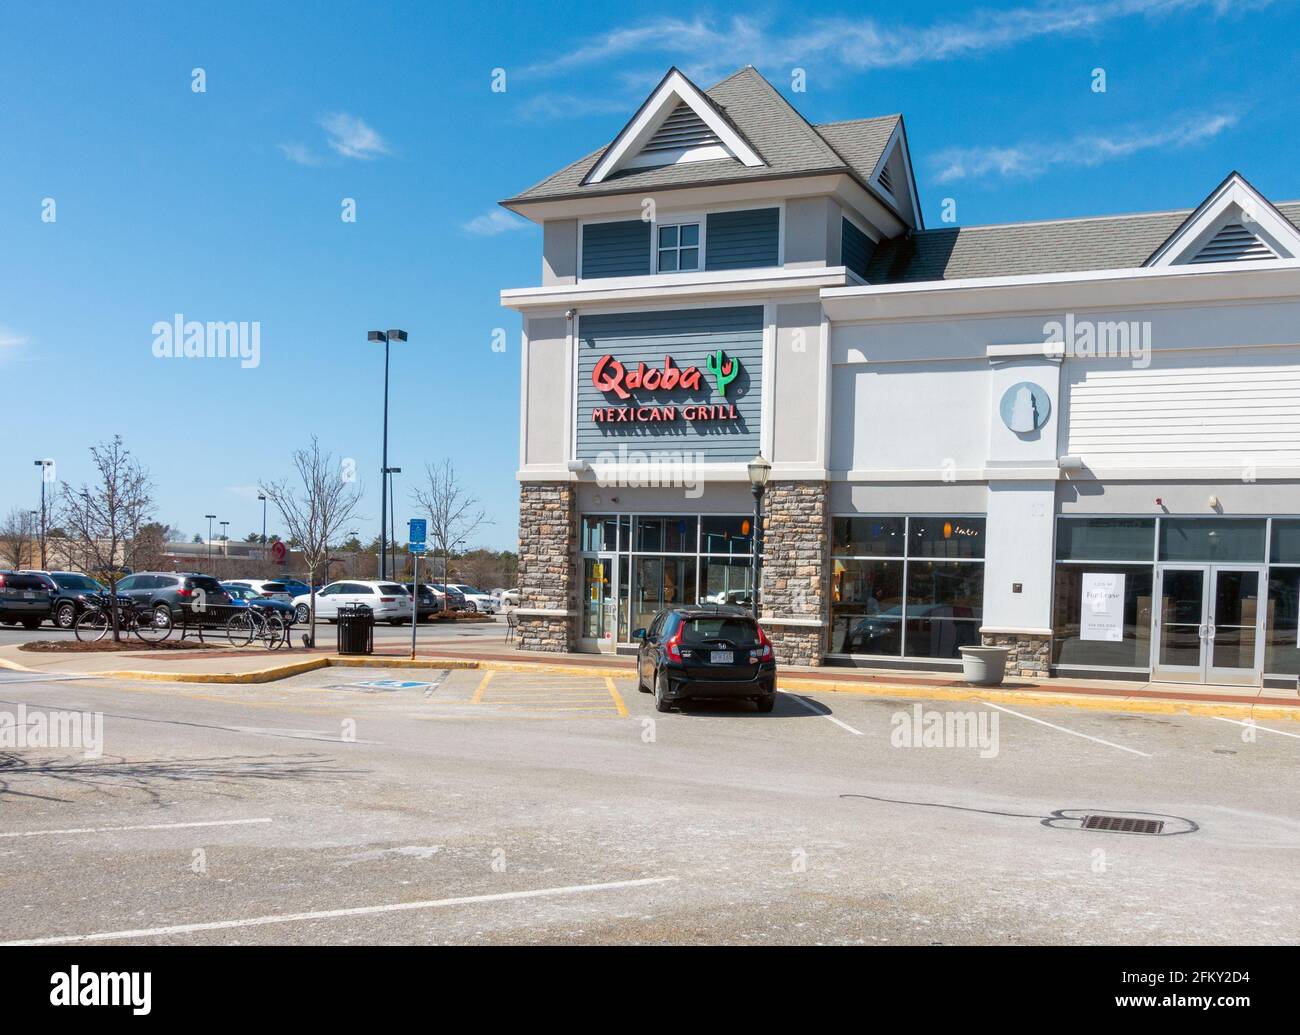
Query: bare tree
point(315, 513)
point(16, 536)
point(454, 514)
point(106, 517)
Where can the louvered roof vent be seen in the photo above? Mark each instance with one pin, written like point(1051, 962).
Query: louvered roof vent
point(682, 129)
point(1234, 243)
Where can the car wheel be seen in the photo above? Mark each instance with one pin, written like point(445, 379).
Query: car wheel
point(662, 704)
point(302, 614)
point(162, 616)
point(473, 606)
point(66, 616)
point(765, 704)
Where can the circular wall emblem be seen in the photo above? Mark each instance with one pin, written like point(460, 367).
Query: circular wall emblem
point(1025, 407)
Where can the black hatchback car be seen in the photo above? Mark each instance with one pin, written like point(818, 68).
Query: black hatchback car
point(706, 652)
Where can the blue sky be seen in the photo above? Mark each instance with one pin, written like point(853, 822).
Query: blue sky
point(225, 205)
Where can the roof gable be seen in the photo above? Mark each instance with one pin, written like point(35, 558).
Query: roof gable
point(1234, 224)
point(676, 123)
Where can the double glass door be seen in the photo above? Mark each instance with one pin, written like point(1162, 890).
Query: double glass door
point(1209, 625)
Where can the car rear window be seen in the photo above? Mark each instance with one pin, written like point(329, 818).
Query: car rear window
point(273, 587)
point(77, 582)
point(205, 583)
point(391, 587)
point(704, 629)
point(24, 582)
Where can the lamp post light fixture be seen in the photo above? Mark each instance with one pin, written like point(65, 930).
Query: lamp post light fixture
point(225, 538)
point(386, 337)
point(759, 471)
point(211, 518)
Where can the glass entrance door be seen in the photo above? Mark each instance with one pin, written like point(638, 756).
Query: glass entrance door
point(1209, 624)
point(600, 596)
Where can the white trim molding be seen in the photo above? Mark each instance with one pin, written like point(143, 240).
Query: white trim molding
point(672, 90)
point(1234, 200)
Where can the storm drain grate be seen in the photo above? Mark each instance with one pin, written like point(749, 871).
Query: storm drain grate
point(1123, 824)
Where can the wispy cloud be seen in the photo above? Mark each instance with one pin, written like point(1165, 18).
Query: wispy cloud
point(497, 221)
point(706, 47)
point(352, 138)
point(1027, 160)
point(11, 344)
point(299, 154)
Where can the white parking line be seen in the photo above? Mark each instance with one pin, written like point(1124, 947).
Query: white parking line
point(330, 914)
point(48, 677)
point(147, 826)
point(1062, 729)
point(1254, 725)
point(816, 709)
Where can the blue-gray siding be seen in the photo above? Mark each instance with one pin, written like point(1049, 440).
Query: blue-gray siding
point(855, 248)
point(689, 336)
point(619, 249)
point(742, 240)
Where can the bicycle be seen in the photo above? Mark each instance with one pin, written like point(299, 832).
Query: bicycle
point(252, 623)
point(96, 622)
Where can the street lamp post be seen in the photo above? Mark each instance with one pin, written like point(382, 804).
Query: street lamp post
point(43, 465)
point(262, 497)
point(385, 337)
point(392, 523)
point(225, 538)
point(211, 518)
point(759, 470)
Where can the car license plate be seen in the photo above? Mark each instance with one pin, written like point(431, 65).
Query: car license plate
point(28, 595)
point(722, 657)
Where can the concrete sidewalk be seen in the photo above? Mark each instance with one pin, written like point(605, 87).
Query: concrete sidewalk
point(256, 665)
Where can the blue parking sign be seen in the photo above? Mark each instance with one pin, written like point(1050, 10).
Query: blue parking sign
point(417, 535)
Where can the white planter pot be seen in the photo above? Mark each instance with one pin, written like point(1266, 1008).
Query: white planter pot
point(984, 666)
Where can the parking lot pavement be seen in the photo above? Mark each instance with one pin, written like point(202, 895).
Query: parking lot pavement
point(417, 805)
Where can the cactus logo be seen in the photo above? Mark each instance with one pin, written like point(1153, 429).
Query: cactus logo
point(723, 370)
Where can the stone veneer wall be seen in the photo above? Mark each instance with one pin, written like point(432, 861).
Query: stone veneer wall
point(547, 539)
point(795, 586)
point(1030, 654)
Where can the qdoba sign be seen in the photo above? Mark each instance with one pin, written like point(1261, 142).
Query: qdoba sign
point(614, 378)
point(691, 376)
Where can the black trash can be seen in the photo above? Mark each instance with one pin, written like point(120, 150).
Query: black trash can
point(356, 629)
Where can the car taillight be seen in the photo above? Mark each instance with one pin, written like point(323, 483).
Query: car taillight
point(673, 645)
point(387, 600)
point(184, 593)
point(764, 652)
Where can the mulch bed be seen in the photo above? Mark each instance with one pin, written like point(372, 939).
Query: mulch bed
point(111, 647)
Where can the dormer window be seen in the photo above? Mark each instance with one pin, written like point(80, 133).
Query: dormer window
point(679, 247)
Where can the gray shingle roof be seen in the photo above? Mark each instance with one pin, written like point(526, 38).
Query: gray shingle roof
point(1060, 246)
point(787, 143)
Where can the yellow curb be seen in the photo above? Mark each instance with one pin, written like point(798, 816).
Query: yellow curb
point(270, 675)
point(13, 666)
point(1032, 698)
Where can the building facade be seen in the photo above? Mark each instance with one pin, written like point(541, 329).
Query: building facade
point(1078, 438)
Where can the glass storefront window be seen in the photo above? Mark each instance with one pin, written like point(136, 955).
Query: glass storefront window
point(1212, 539)
point(868, 536)
point(923, 605)
point(867, 607)
point(1286, 542)
point(661, 582)
point(1068, 645)
point(726, 580)
point(726, 535)
point(945, 537)
point(1105, 539)
point(599, 533)
point(666, 534)
point(1281, 652)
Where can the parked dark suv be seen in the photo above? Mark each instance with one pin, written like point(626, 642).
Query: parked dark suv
point(704, 652)
point(171, 593)
point(71, 593)
point(23, 598)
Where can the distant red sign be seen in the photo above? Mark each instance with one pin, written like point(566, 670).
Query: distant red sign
point(279, 552)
